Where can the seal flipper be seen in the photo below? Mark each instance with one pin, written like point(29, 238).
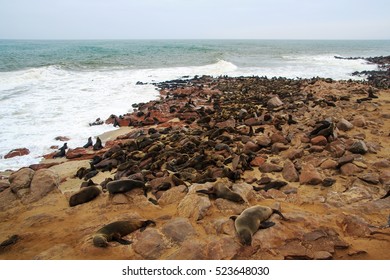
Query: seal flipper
point(266, 224)
point(274, 211)
point(122, 241)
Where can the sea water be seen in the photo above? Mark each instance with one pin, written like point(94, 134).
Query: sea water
point(56, 88)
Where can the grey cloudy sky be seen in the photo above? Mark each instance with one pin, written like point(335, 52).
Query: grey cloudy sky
point(194, 19)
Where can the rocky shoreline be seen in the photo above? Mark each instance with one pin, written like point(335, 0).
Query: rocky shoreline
point(315, 149)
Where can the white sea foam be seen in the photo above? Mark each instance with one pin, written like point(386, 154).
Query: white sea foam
point(39, 104)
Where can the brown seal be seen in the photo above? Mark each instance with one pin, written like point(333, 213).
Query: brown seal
point(251, 220)
point(114, 231)
point(124, 185)
point(84, 195)
point(219, 190)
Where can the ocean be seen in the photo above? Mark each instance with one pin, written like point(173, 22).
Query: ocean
point(56, 88)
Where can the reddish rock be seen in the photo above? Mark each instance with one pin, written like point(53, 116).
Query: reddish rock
point(150, 244)
point(309, 175)
point(289, 172)
point(253, 121)
point(251, 147)
point(43, 182)
point(355, 226)
point(270, 167)
point(336, 148)
point(329, 164)
point(359, 121)
point(178, 230)
point(17, 153)
point(257, 161)
point(20, 180)
point(350, 169)
point(319, 141)
point(224, 248)
point(263, 140)
point(278, 138)
point(38, 166)
point(228, 123)
point(292, 154)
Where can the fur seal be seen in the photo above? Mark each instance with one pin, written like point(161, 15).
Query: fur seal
point(89, 143)
point(84, 195)
point(124, 185)
point(114, 231)
point(219, 190)
point(98, 145)
point(251, 220)
point(62, 151)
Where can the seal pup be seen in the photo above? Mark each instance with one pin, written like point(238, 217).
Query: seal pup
point(62, 151)
point(89, 143)
point(219, 190)
point(124, 185)
point(98, 145)
point(114, 231)
point(84, 195)
point(251, 220)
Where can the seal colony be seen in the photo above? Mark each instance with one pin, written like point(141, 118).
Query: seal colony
point(247, 143)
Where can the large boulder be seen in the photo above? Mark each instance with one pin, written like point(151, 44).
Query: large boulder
point(43, 182)
point(20, 181)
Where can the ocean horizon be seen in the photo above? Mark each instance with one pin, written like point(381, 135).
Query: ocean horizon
point(51, 88)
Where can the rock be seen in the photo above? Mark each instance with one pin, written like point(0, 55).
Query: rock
point(173, 195)
point(319, 141)
point(21, 180)
point(257, 161)
point(309, 175)
point(270, 167)
point(345, 159)
point(336, 148)
point(384, 177)
point(344, 125)
point(17, 153)
point(385, 163)
point(43, 182)
point(229, 123)
point(150, 244)
point(322, 255)
point(274, 102)
point(329, 164)
point(7, 199)
point(59, 251)
point(224, 248)
point(178, 230)
point(278, 138)
point(229, 207)
point(263, 140)
point(292, 154)
point(4, 185)
point(289, 172)
point(359, 121)
point(193, 205)
point(243, 189)
point(358, 147)
point(119, 198)
point(278, 147)
point(355, 226)
point(251, 147)
point(372, 178)
point(80, 153)
point(190, 249)
point(349, 169)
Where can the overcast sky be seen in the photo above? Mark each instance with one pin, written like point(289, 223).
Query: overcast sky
point(194, 19)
